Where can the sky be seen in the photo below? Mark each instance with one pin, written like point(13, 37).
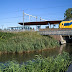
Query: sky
point(11, 11)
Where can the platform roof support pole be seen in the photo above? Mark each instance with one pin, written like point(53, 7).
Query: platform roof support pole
point(53, 25)
point(50, 25)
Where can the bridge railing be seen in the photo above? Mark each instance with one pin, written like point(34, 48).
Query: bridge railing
point(55, 29)
point(56, 32)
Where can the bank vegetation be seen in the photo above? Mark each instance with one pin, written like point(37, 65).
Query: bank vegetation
point(60, 63)
point(20, 42)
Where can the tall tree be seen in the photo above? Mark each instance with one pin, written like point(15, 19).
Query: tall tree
point(68, 13)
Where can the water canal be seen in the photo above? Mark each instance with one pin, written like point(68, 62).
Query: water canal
point(29, 56)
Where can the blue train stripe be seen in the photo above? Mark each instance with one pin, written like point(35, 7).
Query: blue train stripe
point(67, 24)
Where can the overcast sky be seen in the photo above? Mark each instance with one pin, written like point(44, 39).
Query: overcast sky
point(11, 11)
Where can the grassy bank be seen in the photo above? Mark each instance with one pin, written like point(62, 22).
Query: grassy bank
point(50, 64)
point(25, 41)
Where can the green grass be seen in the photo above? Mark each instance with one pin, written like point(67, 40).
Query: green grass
point(50, 64)
point(25, 41)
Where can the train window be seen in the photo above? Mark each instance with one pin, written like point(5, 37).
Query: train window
point(62, 23)
point(66, 24)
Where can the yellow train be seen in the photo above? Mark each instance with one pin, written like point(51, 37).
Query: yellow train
point(65, 24)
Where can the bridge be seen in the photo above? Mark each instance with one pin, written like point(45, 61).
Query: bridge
point(65, 32)
point(62, 35)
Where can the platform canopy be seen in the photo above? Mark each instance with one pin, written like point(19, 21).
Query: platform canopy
point(41, 22)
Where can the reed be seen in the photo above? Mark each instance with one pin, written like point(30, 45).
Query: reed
point(25, 41)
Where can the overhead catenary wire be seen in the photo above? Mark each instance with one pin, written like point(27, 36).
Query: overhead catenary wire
point(26, 14)
point(33, 9)
point(24, 18)
point(36, 9)
point(11, 17)
point(16, 11)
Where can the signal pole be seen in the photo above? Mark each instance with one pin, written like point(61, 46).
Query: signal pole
point(29, 21)
point(2, 27)
point(36, 21)
point(40, 20)
point(23, 20)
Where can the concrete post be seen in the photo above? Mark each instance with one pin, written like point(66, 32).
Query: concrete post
point(62, 40)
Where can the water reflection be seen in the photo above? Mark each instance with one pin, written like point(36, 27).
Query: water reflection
point(29, 56)
point(68, 48)
point(61, 48)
